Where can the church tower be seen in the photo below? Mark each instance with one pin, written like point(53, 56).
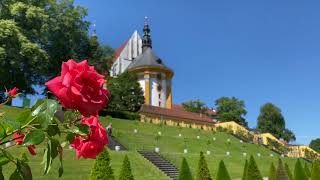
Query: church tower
point(153, 75)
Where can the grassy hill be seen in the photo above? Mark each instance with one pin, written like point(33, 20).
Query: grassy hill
point(171, 147)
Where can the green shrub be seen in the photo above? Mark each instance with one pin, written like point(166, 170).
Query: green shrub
point(315, 174)
point(101, 169)
point(185, 173)
point(253, 170)
point(307, 170)
point(245, 171)
point(126, 173)
point(222, 172)
point(299, 173)
point(121, 114)
point(281, 172)
point(272, 172)
point(288, 171)
point(203, 170)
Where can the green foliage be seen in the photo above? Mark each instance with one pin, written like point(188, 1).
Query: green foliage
point(271, 120)
point(126, 173)
point(315, 145)
point(253, 170)
point(121, 114)
point(245, 170)
point(307, 170)
point(272, 172)
point(315, 174)
point(222, 172)
point(126, 93)
point(195, 106)
point(102, 169)
point(203, 170)
point(231, 109)
point(290, 175)
point(185, 173)
point(281, 172)
point(299, 173)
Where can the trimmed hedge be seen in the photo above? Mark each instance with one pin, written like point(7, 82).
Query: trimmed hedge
point(121, 114)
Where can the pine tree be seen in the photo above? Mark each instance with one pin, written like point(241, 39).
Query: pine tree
point(281, 173)
point(315, 174)
point(299, 173)
point(245, 171)
point(101, 169)
point(288, 171)
point(272, 172)
point(203, 170)
point(222, 172)
point(307, 170)
point(253, 170)
point(126, 173)
point(185, 173)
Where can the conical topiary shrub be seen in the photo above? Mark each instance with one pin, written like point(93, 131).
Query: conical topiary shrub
point(281, 172)
point(315, 173)
point(272, 172)
point(253, 170)
point(101, 169)
point(185, 173)
point(288, 171)
point(299, 173)
point(307, 170)
point(222, 172)
point(245, 170)
point(126, 173)
point(203, 170)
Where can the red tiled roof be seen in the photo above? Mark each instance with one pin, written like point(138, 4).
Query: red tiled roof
point(119, 50)
point(176, 112)
point(180, 108)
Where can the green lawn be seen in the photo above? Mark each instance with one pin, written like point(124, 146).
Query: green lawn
point(171, 147)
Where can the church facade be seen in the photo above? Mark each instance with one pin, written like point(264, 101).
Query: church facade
point(155, 78)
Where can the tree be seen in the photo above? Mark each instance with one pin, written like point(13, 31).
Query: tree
point(203, 170)
point(307, 170)
point(281, 173)
point(253, 170)
point(271, 120)
point(272, 172)
point(299, 173)
point(231, 109)
point(102, 169)
point(36, 36)
point(315, 174)
point(222, 172)
point(195, 106)
point(288, 171)
point(245, 171)
point(126, 173)
point(185, 173)
point(315, 145)
point(126, 93)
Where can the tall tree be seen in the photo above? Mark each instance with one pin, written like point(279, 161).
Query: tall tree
point(203, 170)
point(253, 170)
point(36, 36)
point(102, 169)
point(272, 172)
point(126, 93)
point(299, 173)
point(315, 145)
point(195, 106)
point(126, 172)
point(223, 173)
point(272, 121)
point(231, 109)
point(281, 172)
point(185, 173)
point(315, 174)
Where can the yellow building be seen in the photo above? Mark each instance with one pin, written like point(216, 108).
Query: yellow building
point(301, 151)
point(264, 139)
point(233, 126)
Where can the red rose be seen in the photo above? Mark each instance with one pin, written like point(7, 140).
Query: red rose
point(80, 87)
point(94, 144)
point(13, 92)
point(18, 138)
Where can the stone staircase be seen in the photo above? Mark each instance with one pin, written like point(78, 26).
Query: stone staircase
point(162, 164)
point(113, 143)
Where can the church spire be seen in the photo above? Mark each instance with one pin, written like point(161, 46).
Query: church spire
point(146, 41)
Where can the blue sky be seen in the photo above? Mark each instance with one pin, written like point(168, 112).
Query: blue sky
point(258, 51)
